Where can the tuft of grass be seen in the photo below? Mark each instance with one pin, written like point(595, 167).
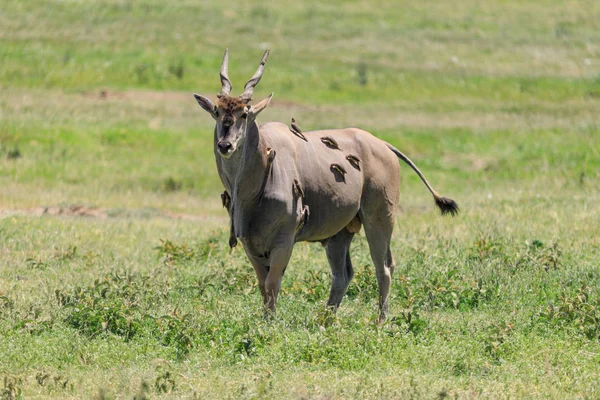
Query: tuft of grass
point(14, 153)
point(170, 184)
point(177, 69)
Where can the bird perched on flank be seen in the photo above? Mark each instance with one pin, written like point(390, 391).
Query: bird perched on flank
point(296, 130)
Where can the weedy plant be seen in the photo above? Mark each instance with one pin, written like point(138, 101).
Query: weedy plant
point(487, 246)
point(538, 255)
point(164, 382)
point(448, 289)
point(6, 304)
point(64, 254)
point(54, 382)
point(124, 304)
point(364, 284)
point(576, 310)
point(33, 321)
point(11, 389)
point(110, 305)
point(410, 321)
point(177, 331)
point(143, 393)
point(174, 253)
point(61, 254)
point(312, 288)
point(36, 263)
point(496, 340)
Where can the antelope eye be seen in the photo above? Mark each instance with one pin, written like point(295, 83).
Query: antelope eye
point(244, 115)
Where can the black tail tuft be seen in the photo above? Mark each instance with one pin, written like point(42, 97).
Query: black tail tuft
point(447, 206)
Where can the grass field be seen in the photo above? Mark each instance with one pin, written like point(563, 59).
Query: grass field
point(116, 280)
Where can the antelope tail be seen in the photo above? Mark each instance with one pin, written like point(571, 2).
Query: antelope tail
point(445, 204)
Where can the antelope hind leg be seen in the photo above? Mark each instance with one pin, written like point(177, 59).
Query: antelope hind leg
point(338, 255)
point(378, 229)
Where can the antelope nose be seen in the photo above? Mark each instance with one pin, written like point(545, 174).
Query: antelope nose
point(224, 147)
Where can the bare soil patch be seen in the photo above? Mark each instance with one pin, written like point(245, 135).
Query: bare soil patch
point(83, 211)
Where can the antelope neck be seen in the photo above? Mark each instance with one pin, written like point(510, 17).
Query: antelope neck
point(245, 169)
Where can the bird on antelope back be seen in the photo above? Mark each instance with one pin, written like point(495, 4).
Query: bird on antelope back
point(284, 185)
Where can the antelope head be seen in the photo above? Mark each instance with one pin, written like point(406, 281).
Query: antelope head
point(233, 115)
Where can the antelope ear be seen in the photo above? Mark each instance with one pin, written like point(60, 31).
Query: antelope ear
point(261, 105)
point(205, 104)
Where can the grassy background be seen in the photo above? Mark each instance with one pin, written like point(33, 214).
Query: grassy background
point(497, 102)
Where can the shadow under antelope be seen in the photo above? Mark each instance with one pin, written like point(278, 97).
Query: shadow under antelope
point(284, 187)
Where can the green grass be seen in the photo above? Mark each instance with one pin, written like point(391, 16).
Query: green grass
point(496, 102)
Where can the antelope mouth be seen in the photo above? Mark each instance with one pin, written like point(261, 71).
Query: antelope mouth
point(226, 153)
point(225, 149)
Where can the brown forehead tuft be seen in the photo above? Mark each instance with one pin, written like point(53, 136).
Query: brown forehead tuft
point(230, 104)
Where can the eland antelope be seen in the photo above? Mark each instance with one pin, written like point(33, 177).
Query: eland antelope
point(284, 187)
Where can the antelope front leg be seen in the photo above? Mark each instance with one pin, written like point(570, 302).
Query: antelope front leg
point(279, 259)
point(261, 267)
point(226, 200)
